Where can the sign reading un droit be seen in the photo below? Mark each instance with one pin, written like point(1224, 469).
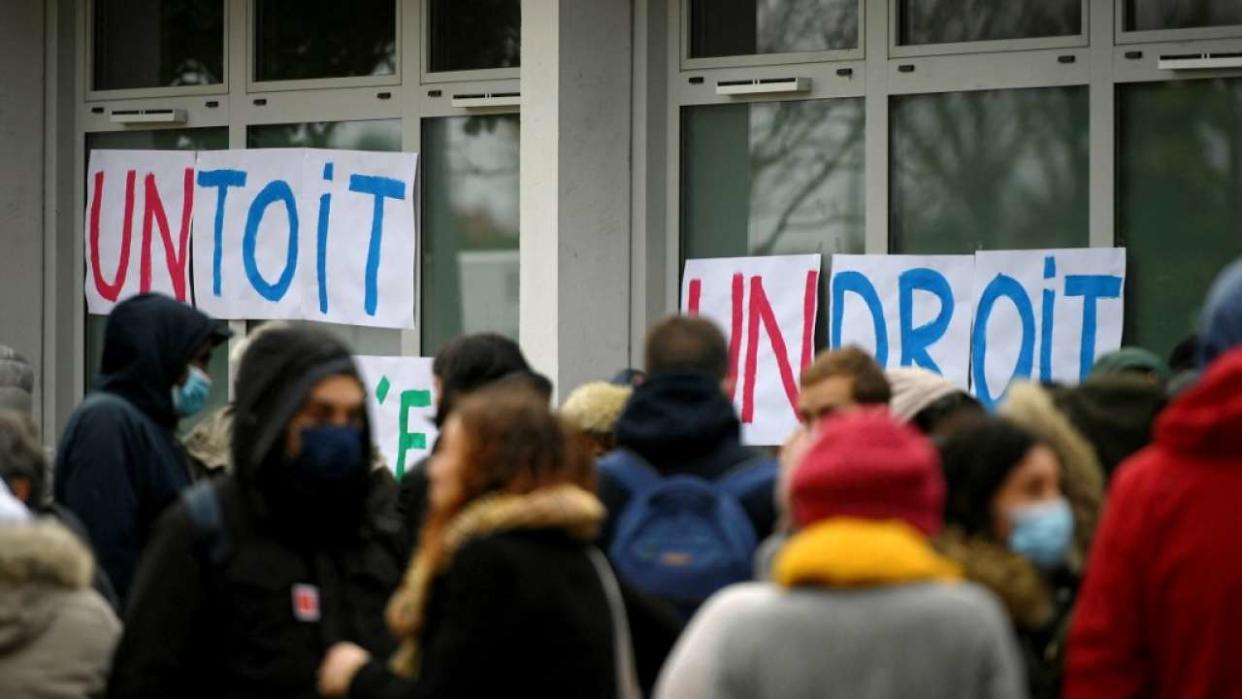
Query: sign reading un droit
point(283, 233)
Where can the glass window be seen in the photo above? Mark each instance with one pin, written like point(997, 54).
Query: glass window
point(1148, 15)
point(158, 43)
point(770, 178)
point(374, 135)
point(215, 138)
point(1179, 213)
point(474, 34)
point(307, 39)
point(997, 169)
point(748, 27)
point(470, 227)
point(953, 21)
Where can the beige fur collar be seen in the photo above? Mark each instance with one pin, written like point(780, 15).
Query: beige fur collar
point(43, 553)
point(565, 507)
point(1009, 576)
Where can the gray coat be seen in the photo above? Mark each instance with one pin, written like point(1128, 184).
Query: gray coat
point(759, 640)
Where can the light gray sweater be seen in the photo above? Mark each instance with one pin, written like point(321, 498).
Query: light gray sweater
point(932, 641)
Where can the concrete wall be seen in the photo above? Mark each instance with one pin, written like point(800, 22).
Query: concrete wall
point(21, 178)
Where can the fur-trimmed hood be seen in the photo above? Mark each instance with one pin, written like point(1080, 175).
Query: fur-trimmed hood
point(1031, 407)
point(37, 562)
point(1009, 576)
point(568, 508)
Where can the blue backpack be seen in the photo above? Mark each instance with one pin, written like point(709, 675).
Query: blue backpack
point(682, 538)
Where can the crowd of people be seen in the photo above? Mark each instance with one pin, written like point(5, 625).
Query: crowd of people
point(1080, 541)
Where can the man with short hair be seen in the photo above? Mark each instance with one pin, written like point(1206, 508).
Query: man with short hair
point(840, 380)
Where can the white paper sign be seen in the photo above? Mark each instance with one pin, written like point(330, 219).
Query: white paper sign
point(1044, 314)
point(766, 306)
point(906, 310)
point(306, 234)
point(401, 400)
point(137, 225)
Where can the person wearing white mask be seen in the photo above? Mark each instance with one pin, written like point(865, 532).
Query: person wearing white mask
point(119, 464)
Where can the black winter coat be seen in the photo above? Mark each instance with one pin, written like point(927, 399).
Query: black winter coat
point(119, 464)
point(294, 580)
point(195, 629)
point(523, 613)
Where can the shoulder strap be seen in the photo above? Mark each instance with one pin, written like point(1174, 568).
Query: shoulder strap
point(203, 505)
point(633, 472)
point(623, 649)
point(749, 475)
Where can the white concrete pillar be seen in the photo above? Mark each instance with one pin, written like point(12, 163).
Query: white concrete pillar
point(575, 188)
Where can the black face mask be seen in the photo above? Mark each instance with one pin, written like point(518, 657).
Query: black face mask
point(320, 493)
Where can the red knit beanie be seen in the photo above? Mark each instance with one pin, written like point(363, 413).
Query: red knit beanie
point(866, 464)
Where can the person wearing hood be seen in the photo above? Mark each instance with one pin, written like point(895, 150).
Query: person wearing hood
point(119, 463)
point(253, 575)
point(1159, 614)
point(679, 429)
point(462, 366)
point(861, 604)
point(1010, 527)
point(1114, 412)
point(56, 633)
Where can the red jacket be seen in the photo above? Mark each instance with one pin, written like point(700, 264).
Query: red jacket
point(1160, 611)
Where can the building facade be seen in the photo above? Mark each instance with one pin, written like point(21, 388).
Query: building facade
point(573, 153)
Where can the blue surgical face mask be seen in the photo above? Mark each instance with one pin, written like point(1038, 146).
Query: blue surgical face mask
point(1042, 532)
point(190, 397)
point(330, 454)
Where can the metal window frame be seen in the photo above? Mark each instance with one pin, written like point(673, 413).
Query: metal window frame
point(429, 77)
point(254, 85)
point(86, 62)
point(689, 63)
point(896, 50)
point(1122, 36)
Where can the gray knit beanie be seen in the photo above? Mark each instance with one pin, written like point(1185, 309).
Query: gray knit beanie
point(915, 388)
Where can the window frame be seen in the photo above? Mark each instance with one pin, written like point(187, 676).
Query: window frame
point(86, 30)
point(897, 50)
point(256, 86)
point(689, 63)
point(1122, 36)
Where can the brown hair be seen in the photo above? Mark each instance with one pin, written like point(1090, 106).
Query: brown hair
point(514, 444)
point(870, 385)
point(683, 342)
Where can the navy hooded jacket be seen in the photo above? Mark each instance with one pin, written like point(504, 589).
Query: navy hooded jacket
point(119, 464)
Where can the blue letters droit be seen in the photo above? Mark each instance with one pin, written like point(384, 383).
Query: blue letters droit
point(859, 284)
point(1090, 287)
point(1002, 285)
point(915, 341)
point(381, 188)
point(222, 179)
point(275, 190)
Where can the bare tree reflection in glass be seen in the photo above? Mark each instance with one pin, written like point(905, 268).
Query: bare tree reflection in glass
point(1151, 15)
point(951, 21)
point(999, 169)
point(746, 27)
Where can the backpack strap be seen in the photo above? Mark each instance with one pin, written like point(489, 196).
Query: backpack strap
point(631, 471)
point(749, 476)
point(203, 505)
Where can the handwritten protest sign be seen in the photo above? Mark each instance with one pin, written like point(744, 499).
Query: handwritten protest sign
point(766, 307)
point(137, 225)
point(281, 233)
point(401, 400)
point(1044, 314)
point(906, 310)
